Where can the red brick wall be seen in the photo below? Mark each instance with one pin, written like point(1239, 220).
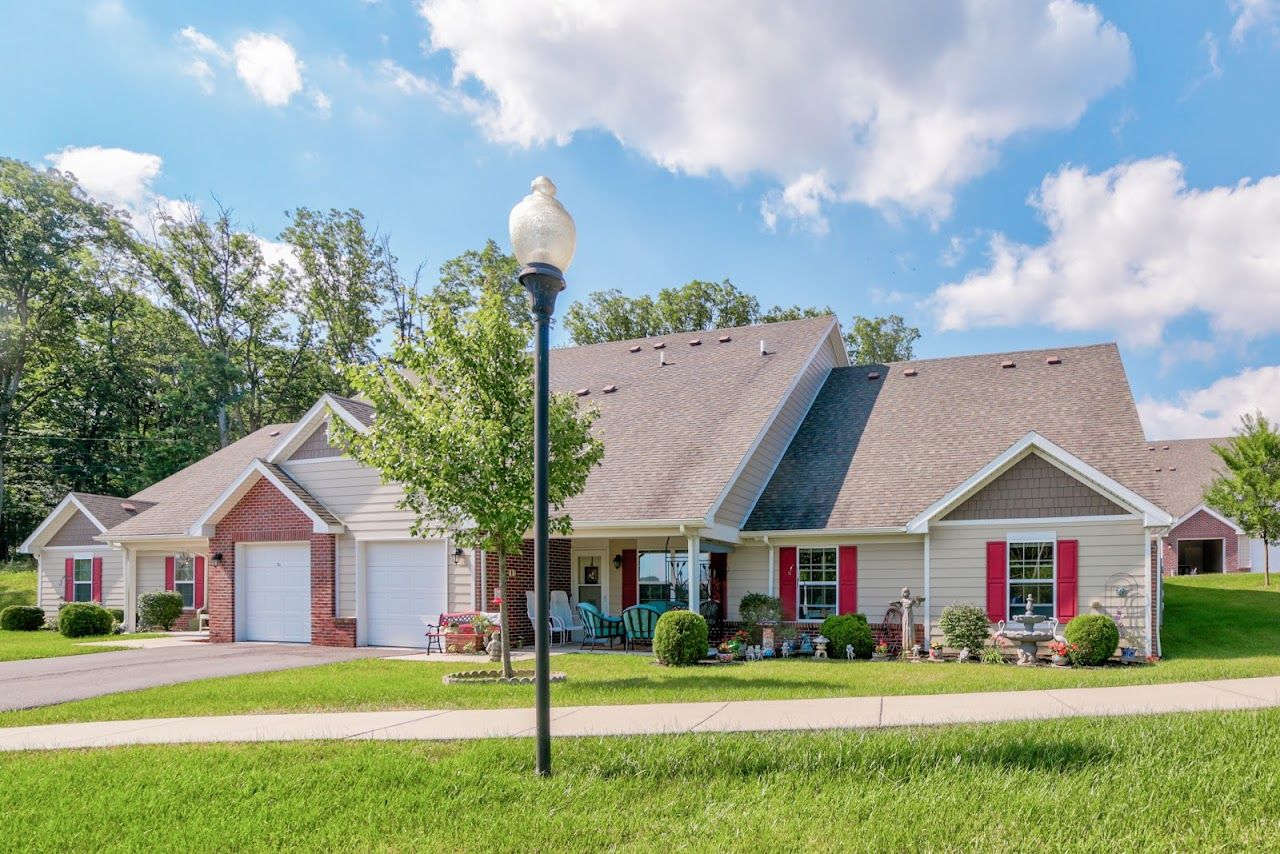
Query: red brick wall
point(1202, 526)
point(522, 565)
point(266, 515)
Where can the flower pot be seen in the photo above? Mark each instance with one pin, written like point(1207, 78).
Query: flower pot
point(1060, 661)
point(725, 657)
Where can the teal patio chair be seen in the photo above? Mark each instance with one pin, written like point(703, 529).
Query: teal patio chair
point(639, 621)
point(600, 626)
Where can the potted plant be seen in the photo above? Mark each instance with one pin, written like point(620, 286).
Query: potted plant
point(880, 652)
point(1061, 652)
point(739, 642)
point(726, 653)
point(935, 651)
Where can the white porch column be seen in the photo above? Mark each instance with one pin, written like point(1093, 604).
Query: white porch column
point(130, 567)
point(695, 574)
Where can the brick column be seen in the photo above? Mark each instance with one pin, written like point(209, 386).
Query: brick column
point(326, 629)
point(560, 574)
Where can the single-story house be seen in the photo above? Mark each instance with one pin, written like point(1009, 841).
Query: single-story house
point(988, 479)
point(1201, 539)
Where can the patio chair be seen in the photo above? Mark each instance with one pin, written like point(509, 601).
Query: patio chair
point(713, 613)
point(563, 611)
point(557, 627)
point(639, 621)
point(599, 626)
point(435, 633)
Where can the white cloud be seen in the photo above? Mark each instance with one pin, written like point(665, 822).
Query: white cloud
point(404, 80)
point(269, 67)
point(893, 105)
point(117, 176)
point(1129, 250)
point(1216, 410)
point(1253, 13)
point(321, 102)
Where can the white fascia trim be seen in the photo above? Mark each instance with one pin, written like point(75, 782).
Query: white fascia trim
point(204, 526)
point(288, 442)
point(1128, 518)
point(1033, 442)
point(635, 523)
point(827, 532)
point(1214, 513)
point(768, 425)
point(56, 518)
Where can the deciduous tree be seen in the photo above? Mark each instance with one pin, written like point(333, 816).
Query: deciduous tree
point(876, 340)
point(1248, 492)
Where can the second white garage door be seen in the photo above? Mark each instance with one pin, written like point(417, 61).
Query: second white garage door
point(405, 581)
point(275, 580)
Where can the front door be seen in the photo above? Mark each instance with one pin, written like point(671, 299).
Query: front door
point(590, 579)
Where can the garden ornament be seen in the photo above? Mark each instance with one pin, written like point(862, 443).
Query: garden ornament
point(915, 652)
point(907, 604)
point(787, 649)
point(848, 651)
point(821, 643)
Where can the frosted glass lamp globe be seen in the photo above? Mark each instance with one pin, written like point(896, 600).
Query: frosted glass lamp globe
point(542, 232)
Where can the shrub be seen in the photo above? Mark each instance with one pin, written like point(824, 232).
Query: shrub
point(757, 608)
point(160, 609)
point(83, 619)
point(117, 614)
point(965, 627)
point(1096, 637)
point(21, 618)
point(848, 629)
point(680, 638)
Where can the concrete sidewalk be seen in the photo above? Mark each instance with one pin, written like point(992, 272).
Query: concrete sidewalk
point(664, 718)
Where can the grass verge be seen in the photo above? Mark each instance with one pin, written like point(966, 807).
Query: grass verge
point(1189, 782)
point(17, 585)
point(20, 646)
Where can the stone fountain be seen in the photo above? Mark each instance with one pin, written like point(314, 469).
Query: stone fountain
point(1028, 637)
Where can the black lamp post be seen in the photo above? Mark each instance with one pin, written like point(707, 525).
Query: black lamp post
point(543, 236)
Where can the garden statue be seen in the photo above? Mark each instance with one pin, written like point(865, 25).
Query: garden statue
point(848, 651)
point(806, 646)
point(755, 653)
point(821, 643)
point(787, 649)
point(767, 640)
point(494, 647)
point(964, 655)
point(907, 604)
point(767, 652)
point(915, 652)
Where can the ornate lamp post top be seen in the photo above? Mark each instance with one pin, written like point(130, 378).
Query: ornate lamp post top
point(542, 232)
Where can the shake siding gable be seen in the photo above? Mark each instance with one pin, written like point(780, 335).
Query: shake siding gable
point(316, 446)
point(1034, 488)
point(79, 530)
point(744, 492)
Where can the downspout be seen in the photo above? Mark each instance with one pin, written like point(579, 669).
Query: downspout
point(928, 595)
point(772, 568)
point(1151, 584)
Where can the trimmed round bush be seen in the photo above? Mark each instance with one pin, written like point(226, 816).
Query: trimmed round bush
point(117, 614)
point(844, 630)
point(680, 638)
point(965, 626)
point(1096, 637)
point(21, 618)
point(160, 610)
point(84, 619)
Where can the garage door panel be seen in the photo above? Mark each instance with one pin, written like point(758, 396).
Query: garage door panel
point(276, 578)
point(405, 581)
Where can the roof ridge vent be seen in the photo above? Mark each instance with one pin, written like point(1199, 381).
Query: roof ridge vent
point(659, 345)
point(873, 375)
point(910, 372)
point(725, 339)
point(1008, 363)
point(635, 348)
point(128, 505)
point(1053, 360)
point(696, 342)
point(583, 392)
point(609, 389)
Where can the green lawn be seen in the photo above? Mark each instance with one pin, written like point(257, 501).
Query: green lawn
point(1177, 782)
point(16, 646)
point(17, 585)
point(1221, 627)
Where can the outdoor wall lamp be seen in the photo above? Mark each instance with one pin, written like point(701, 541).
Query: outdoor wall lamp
point(543, 238)
point(617, 561)
point(458, 559)
point(217, 559)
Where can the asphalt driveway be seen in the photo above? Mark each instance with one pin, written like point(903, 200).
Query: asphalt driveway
point(45, 681)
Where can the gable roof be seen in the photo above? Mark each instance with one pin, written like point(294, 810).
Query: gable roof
point(102, 511)
point(676, 434)
point(180, 498)
point(876, 453)
point(1184, 468)
point(323, 522)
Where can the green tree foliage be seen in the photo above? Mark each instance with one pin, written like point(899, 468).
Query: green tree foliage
point(1248, 492)
point(877, 340)
point(455, 429)
point(463, 280)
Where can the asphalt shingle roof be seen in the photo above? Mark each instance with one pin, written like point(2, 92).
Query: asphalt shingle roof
point(1185, 468)
point(675, 434)
point(178, 500)
point(875, 453)
point(110, 510)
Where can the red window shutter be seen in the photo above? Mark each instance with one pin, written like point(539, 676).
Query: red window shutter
point(630, 583)
point(97, 580)
point(719, 579)
point(848, 575)
point(997, 601)
point(69, 582)
point(199, 581)
point(1068, 579)
point(787, 581)
point(168, 572)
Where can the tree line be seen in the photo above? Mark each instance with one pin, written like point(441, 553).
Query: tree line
point(125, 357)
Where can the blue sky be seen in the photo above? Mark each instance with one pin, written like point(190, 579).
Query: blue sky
point(1005, 175)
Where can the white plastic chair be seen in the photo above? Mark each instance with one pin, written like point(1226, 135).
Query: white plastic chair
point(557, 627)
point(561, 610)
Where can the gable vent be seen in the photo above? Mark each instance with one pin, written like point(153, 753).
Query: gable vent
point(910, 372)
point(1008, 363)
point(874, 375)
point(609, 389)
point(724, 339)
point(635, 349)
point(659, 345)
point(1053, 360)
point(583, 392)
point(695, 342)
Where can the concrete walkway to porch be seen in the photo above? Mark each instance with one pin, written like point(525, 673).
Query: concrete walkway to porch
point(664, 718)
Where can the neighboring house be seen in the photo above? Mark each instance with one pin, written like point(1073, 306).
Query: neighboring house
point(1201, 540)
point(760, 450)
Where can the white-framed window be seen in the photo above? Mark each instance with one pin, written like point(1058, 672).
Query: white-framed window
point(184, 578)
point(817, 575)
point(664, 576)
point(1032, 567)
point(83, 569)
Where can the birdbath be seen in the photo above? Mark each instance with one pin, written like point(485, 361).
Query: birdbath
point(1027, 638)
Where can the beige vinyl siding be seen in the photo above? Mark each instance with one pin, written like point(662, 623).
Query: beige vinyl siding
point(354, 494)
point(346, 574)
point(461, 592)
point(79, 530)
point(884, 568)
point(1108, 550)
point(748, 572)
point(746, 490)
point(316, 446)
point(150, 571)
point(53, 568)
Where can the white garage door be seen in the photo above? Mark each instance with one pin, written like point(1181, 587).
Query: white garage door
point(404, 582)
point(1258, 556)
point(276, 603)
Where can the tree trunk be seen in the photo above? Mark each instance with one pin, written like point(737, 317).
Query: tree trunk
point(224, 437)
point(1266, 560)
point(504, 610)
